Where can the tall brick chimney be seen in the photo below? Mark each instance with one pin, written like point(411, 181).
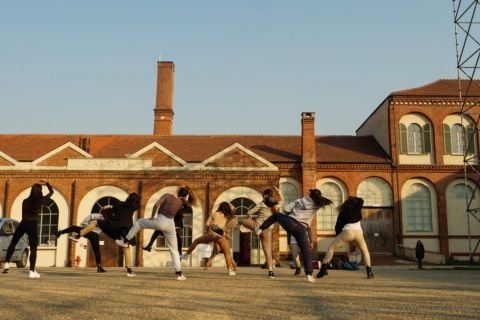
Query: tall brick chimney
point(309, 152)
point(163, 111)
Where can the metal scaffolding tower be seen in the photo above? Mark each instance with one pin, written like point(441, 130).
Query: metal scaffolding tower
point(467, 42)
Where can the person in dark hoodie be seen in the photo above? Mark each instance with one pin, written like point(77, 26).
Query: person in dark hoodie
point(117, 221)
point(299, 219)
point(348, 229)
point(31, 208)
point(419, 254)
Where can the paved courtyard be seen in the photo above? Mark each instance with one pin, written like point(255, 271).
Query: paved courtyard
point(397, 292)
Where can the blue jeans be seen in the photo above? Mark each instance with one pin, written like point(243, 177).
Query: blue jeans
point(297, 230)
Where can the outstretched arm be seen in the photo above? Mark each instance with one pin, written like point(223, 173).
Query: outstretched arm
point(50, 189)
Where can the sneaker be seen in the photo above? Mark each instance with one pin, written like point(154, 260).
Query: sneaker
point(181, 277)
point(147, 248)
point(231, 273)
point(310, 278)
point(74, 238)
point(33, 274)
point(184, 256)
point(58, 234)
point(121, 243)
point(6, 267)
point(100, 269)
point(258, 231)
point(271, 275)
point(130, 273)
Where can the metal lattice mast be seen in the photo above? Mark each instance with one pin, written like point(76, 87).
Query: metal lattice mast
point(467, 24)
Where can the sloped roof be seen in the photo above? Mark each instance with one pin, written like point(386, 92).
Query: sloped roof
point(443, 88)
point(193, 148)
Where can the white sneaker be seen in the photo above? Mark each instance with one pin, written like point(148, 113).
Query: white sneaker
point(310, 278)
point(130, 273)
point(33, 274)
point(231, 273)
point(6, 267)
point(121, 243)
point(184, 256)
point(73, 238)
point(181, 277)
point(258, 231)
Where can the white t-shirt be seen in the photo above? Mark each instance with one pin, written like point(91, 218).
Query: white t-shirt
point(353, 226)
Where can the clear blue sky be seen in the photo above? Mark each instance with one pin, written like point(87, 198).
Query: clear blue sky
point(246, 67)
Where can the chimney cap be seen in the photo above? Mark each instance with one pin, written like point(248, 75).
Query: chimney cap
point(308, 115)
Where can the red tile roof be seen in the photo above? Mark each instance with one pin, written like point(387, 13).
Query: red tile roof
point(192, 148)
point(443, 88)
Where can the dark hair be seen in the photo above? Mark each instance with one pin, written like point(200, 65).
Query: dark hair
point(186, 193)
point(133, 200)
point(352, 204)
point(225, 208)
point(268, 198)
point(36, 197)
point(316, 196)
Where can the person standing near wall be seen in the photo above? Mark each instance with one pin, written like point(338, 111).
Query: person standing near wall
point(419, 253)
point(31, 208)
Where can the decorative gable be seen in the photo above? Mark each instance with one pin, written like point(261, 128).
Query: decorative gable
point(237, 157)
point(59, 156)
point(161, 156)
point(6, 160)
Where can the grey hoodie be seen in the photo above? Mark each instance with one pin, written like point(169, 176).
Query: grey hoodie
point(303, 210)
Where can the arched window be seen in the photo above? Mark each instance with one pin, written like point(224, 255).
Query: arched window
point(242, 205)
point(375, 192)
point(289, 193)
point(414, 141)
point(102, 202)
point(186, 233)
point(48, 226)
point(418, 208)
point(327, 218)
point(458, 192)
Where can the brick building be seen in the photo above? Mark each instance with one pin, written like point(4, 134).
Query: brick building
point(405, 161)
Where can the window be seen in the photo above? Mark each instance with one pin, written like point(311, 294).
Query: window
point(414, 141)
point(456, 137)
point(459, 192)
point(327, 218)
point(375, 192)
point(48, 226)
point(102, 202)
point(242, 205)
point(289, 193)
point(419, 208)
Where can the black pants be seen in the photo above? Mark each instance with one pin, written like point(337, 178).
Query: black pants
point(93, 237)
point(30, 228)
point(299, 231)
point(158, 233)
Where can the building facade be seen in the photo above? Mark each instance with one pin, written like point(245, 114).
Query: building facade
point(405, 161)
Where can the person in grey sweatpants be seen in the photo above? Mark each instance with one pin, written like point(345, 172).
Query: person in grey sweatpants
point(165, 210)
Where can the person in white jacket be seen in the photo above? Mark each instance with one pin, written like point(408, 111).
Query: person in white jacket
point(297, 222)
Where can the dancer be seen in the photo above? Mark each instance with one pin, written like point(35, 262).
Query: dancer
point(165, 208)
point(297, 222)
point(93, 237)
point(348, 229)
point(117, 221)
point(178, 220)
point(31, 208)
point(217, 224)
point(257, 215)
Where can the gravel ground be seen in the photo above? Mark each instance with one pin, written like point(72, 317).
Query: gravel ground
point(397, 292)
